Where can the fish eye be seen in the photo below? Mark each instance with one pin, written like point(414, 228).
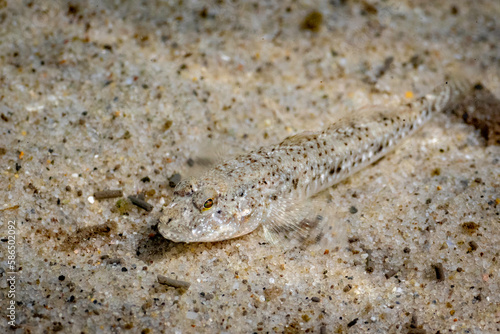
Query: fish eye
point(205, 198)
point(208, 204)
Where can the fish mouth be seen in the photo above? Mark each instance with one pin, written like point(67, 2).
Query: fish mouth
point(173, 231)
point(172, 235)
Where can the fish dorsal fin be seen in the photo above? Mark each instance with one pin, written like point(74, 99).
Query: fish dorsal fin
point(297, 139)
point(209, 154)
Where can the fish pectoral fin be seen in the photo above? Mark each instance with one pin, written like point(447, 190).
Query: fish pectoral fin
point(294, 223)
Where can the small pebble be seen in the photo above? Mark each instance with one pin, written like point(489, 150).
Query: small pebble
point(369, 265)
point(173, 282)
point(347, 288)
point(353, 209)
point(316, 299)
point(108, 194)
point(312, 21)
point(174, 180)
point(352, 323)
point(439, 270)
point(390, 273)
point(140, 203)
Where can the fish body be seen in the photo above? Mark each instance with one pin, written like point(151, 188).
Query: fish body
point(268, 186)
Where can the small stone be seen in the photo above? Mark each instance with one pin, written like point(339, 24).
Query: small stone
point(173, 282)
point(352, 323)
point(316, 299)
point(104, 194)
point(140, 202)
point(62, 278)
point(347, 288)
point(473, 245)
point(439, 270)
point(390, 273)
point(174, 180)
point(470, 227)
point(167, 125)
point(353, 209)
point(209, 296)
point(312, 21)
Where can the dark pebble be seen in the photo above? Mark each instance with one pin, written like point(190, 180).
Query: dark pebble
point(352, 323)
point(312, 21)
point(316, 299)
point(124, 269)
point(439, 270)
point(390, 273)
point(174, 180)
point(167, 125)
point(353, 209)
point(62, 278)
point(146, 179)
point(190, 162)
point(353, 240)
point(140, 203)
point(473, 245)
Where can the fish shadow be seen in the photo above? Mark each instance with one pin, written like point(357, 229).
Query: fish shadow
point(152, 246)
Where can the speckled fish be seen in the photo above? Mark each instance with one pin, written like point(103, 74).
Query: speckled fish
point(268, 187)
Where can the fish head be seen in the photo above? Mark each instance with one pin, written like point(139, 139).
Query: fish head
point(205, 209)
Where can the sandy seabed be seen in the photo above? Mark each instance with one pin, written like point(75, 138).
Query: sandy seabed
point(99, 95)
